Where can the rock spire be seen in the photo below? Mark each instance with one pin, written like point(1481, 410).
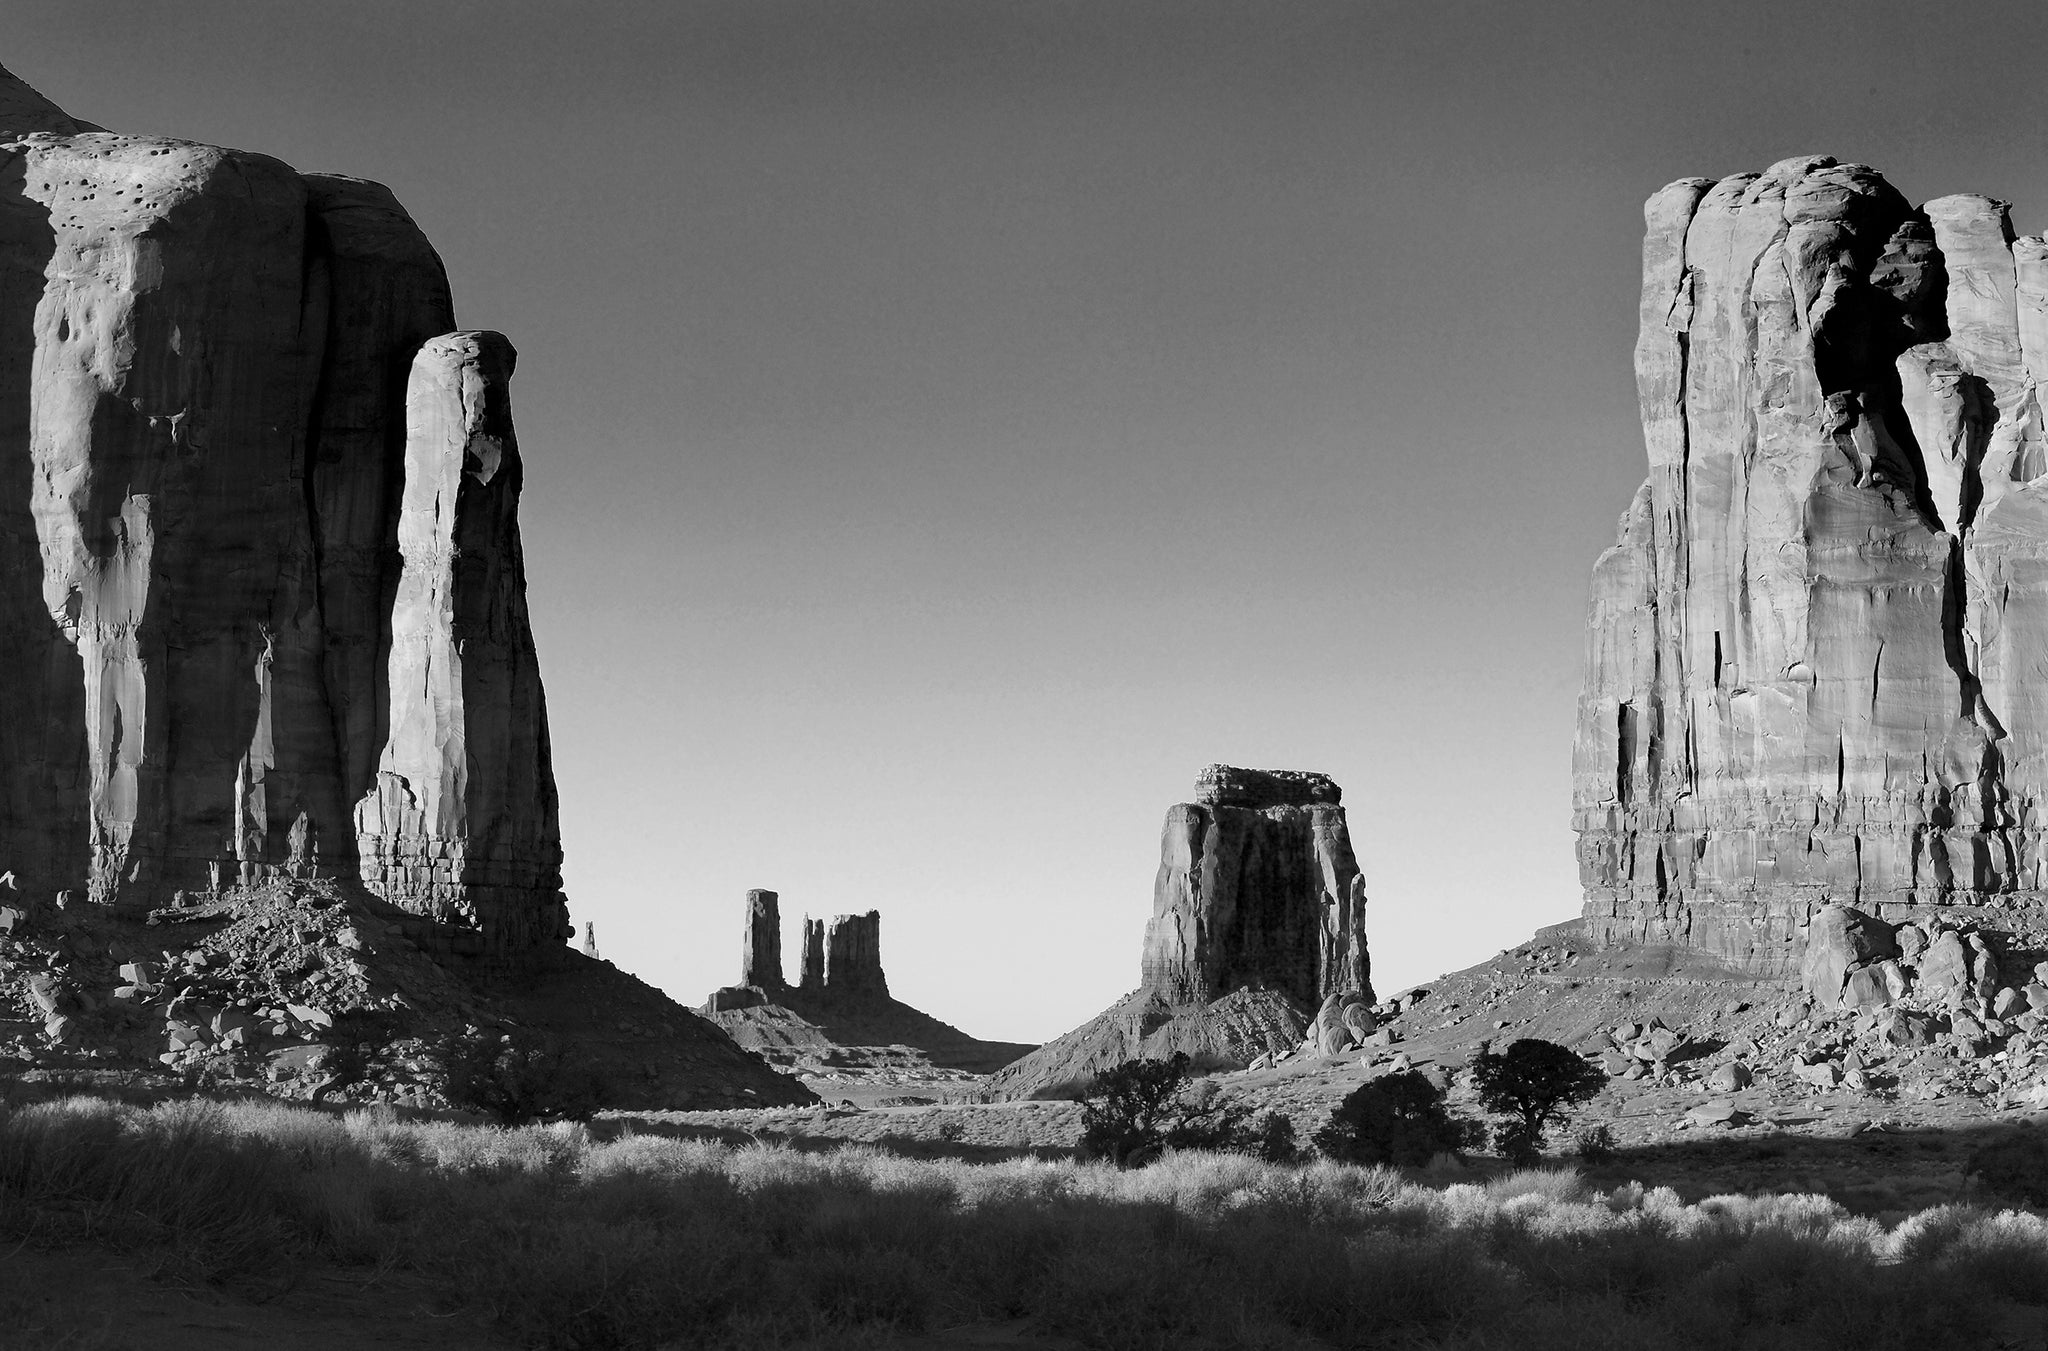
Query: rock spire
point(761, 946)
point(262, 605)
point(1814, 652)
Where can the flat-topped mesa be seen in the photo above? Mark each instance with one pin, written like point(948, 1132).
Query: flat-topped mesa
point(1257, 936)
point(1229, 786)
point(1257, 887)
point(247, 622)
point(1813, 653)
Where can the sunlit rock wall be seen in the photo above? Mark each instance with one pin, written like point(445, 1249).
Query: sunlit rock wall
point(1817, 655)
point(205, 359)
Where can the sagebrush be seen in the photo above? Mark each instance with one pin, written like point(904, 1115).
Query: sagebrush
point(562, 1239)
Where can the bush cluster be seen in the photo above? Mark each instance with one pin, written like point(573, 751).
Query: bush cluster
point(518, 1080)
point(1137, 1110)
point(1141, 1108)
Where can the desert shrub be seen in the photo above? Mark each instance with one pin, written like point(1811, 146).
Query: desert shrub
point(1137, 1110)
point(558, 1240)
point(1594, 1144)
point(1397, 1119)
point(1531, 1083)
point(518, 1080)
point(2013, 1169)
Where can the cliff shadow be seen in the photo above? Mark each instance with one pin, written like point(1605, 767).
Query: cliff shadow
point(43, 768)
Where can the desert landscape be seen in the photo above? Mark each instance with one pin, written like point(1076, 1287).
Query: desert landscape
point(311, 1036)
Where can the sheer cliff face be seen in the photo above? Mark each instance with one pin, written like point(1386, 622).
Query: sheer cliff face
point(1816, 654)
point(208, 364)
point(1257, 887)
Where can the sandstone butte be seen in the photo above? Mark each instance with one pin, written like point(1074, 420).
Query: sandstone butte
point(262, 603)
point(1258, 920)
point(1817, 654)
point(838, 1029)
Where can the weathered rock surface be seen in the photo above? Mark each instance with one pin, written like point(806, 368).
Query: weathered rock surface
point(316, 989)
point(1258, 919)
point(1257, 886)
point(261, 597)
point(1814, 653)
point(761, 950)
point(853, 957)
point(839, 1028)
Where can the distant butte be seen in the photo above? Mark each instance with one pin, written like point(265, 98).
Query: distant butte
point(838, 1028)
point(1258, 923)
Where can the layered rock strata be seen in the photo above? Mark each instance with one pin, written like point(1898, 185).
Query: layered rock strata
point(1257, 886)
point(840, 1017)
point(261, 600)
point(1258, 923)
point(1814, 653)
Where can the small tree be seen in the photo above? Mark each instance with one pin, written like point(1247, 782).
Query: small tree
point(2014, 1168)
point(518, 1081)
point(1140, 1107)
point(1532, 1082)
point(1394, 1119)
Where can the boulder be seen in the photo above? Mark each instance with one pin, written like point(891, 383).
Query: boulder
point(1817, 1074)
point(1729, 1078)
point(1717, 1113)
point(1839, 940)
point(2008, 1002)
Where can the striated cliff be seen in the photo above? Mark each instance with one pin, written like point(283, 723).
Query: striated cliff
point(262, 605)
point(1815, 654)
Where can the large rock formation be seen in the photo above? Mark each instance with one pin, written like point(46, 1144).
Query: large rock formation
point(761, 950)
point(1258, 919)
point(839, 1020)
point(1815, 659)
point(261, 598)
point(1257, 887)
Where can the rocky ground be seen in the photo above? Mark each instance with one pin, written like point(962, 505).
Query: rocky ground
point(317, 991)
point(1718, 1081)
point(866, 1049)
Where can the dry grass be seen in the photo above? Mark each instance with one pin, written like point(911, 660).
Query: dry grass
point(569, 1241)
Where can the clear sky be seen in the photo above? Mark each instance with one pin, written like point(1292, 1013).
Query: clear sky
point(950, 425)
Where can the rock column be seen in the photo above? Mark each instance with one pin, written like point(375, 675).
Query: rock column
point(761, 949)
point(462, 822)
point(853, 955)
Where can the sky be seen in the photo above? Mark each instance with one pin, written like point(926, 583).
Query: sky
point(948, 426)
